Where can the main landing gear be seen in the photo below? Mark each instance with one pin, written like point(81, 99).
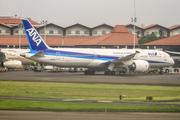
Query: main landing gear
point(109, 72)
point(113, 72)
point(161, 71)
point(89, 72)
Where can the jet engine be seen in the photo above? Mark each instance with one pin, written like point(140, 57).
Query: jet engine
point(139, 66)
point(12, 64)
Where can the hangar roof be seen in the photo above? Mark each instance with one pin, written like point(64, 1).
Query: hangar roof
point(131, 25)
point(102, 25)
point(5, 25)
point(173, 40)
point(50, 24)
point(118, 36)
point(15, 21)
point(50, 40)
point(77, 25)
point(174, 27)
point(153, 25)
point(66, 41)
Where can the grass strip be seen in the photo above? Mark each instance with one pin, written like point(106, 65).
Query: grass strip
point(89, 91)
point(80, 107)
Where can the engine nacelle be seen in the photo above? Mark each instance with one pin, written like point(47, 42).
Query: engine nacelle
point(12, 64)
point(139, 66)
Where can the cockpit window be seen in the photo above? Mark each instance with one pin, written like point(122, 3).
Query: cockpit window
point(167, 55)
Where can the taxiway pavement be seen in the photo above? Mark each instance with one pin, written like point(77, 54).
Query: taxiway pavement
point(79, 77)
point(36, 115)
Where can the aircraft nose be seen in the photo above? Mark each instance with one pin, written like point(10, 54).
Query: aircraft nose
point(172, 62)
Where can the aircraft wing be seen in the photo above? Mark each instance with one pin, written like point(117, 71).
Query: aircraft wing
point(127, 60)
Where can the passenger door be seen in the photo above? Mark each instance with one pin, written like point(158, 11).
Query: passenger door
point(58, 56)
point(95, 56)
point(164, 56)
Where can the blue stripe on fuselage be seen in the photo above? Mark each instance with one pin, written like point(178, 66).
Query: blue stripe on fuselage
point(154, 61)
point(76, 55)
point(82, 55)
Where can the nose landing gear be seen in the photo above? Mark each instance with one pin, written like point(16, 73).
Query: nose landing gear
point(89, 72)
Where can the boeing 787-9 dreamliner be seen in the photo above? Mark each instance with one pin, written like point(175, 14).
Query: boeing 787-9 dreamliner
point(93, 59)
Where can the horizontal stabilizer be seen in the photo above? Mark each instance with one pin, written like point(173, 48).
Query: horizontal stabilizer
point(39, 54)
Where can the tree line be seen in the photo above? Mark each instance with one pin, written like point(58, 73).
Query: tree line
point(151, 37)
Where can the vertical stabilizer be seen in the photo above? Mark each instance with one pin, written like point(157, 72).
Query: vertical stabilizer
point(35, 41)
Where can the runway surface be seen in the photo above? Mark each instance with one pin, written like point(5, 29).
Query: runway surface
point(36, 115)
point(130, 78)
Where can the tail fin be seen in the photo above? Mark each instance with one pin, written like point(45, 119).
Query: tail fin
point(35, 41)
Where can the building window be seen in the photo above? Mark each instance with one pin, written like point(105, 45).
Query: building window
point(51, 32)
point(42, 32)
point(7, 31)
point(146, 33)
point(0, 31)
point(94, 32)
point(77, 32)
point(103, 32)
point(16, 31)
point(60, 32)
point(68, 32)
point(86, 32)
point(23, 31)
point(155, 33)
point(165, 33)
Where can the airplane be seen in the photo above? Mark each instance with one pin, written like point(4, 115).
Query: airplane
point(93, 59)
point(174, 55)
point(11, 59)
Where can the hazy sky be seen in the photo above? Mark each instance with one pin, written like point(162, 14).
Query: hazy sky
point(95, 12)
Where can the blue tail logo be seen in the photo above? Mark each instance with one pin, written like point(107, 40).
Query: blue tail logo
point(35, 41)
point(34, 36)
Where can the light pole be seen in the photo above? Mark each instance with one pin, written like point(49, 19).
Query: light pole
point(134, 20)
point(20, 26)
point(15, 18)
point(44, 22)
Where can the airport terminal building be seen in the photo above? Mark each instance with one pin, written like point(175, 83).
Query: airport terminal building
point(12, 35)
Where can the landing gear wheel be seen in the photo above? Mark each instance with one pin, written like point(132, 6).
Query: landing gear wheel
point(167, 71)
point(85, 72)
point(161, 72)
point(106, 72)
point(92, 72)
point(112, 72)
point(89, 72)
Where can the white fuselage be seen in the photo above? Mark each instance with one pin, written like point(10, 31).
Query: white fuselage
point(14, 54)
point(94, 58)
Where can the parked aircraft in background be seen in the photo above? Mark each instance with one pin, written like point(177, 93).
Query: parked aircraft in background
point(174, 55)
point(11, 58)
point(93, 59)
